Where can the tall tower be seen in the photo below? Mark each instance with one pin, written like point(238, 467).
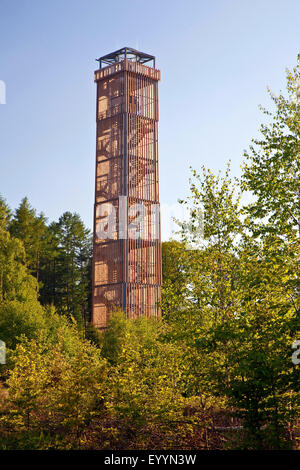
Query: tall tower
point(127, 245)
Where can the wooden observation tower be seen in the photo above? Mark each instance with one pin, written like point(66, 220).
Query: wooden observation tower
point(127, 244)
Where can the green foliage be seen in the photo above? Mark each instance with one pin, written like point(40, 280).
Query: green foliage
point(72, 265)
point(272, 167)
point(33, 232)
point(146, 380)
point(5, 214)
point(58, 255)
point(15, 283)
point(174, 285)
point(51, 389)
point(20, 311)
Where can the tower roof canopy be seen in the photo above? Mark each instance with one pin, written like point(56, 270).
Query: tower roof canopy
point(125, 53)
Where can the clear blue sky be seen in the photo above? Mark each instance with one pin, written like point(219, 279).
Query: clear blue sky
point(217, 58)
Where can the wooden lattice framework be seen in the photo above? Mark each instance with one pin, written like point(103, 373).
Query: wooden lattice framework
point(126, 270)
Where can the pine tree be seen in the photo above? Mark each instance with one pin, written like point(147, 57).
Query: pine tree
point(71, 271)
point(5, 214)
point(33, 231)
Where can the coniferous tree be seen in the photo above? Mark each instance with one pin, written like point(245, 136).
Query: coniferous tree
point(33, 231)
point(5, 214)
point(72, 266)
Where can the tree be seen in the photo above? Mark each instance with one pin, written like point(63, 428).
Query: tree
point(242, 317)
point(272, 167)
point(211, 267)
point(174, 277)
point(53, 389)
point(271, 256)
point(71, 268)
point(33, 232)
point(209, 256)
point(16, 283)
point(146, 391)
point(5, 214)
